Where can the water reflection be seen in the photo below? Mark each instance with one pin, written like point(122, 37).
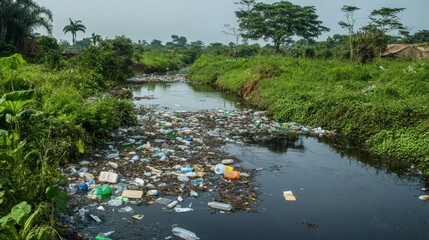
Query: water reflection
point(182, 96)
point(282, 144)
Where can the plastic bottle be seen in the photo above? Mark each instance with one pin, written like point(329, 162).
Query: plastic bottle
point(85, 186)
point(172, 204)
point(186, 169)
point(219, 168)
point(102, 238)
point(221, 206)
point(140, 148)
point(152, 193)
point(102, 192)
point(185, 234)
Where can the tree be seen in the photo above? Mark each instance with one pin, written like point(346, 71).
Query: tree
point(236, 33)
point(349, 25)
point(73, 28)
point(279, 22)
point(156, 44)
point(18, 19)
point(421, 36)
point(386, 19)
point(179, 41)
point(95, 38)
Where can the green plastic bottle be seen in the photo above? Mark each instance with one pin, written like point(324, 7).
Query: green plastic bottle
point(102, 238)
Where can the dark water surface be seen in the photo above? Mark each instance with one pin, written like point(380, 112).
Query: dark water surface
point(338, 197)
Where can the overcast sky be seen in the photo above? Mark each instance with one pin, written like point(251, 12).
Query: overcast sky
point(201, 19)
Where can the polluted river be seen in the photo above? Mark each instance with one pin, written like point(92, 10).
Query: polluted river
point(201, 165)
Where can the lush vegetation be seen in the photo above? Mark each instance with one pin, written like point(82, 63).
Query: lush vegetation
point(49, 115)
point(382, 106)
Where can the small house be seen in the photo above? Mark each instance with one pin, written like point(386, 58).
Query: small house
point(413, 51)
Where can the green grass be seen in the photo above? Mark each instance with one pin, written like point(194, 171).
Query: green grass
point(383, 105)
point(161, 61)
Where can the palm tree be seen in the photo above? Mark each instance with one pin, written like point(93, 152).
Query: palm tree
point(95, 38)
point(74, 27)
point(18, 19)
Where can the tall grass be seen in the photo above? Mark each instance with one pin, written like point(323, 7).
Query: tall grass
point(383, 105)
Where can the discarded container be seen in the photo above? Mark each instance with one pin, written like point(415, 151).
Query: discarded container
point(139, 182)
point(424, 197)
point(88, 176)
point(96, 218)
point(126, 144)
point(288, 195)
point(113, 155)
point(169, 131)
point(219, 205)
point(108, 177)
point(186, 169)
point(113, 164)
point(185, 234)
point(228, 168)
point(138, 217)
point(227, 161)
point(219, 168)
point(172, 204)
point(152, 193)
point(192, 193)
point(102, 238)
point(185, 209)
point(132, 194)
point(231, 174)
point(85, 186)
point(126, 209)
point(140, 148)
point(114, 203)
point(101, 192)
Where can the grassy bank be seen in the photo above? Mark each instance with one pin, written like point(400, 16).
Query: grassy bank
point(383, 106)
point(49, 117)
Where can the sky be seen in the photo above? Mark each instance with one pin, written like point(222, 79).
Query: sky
point(202, 19)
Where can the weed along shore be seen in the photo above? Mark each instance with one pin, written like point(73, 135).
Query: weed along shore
point(381, 106)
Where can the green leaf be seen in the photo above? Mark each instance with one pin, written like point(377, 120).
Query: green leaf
point(14, 102)
point(1, 196)
point(12, 62)
point(59, 197)
point(20, 212)
point(80, 146)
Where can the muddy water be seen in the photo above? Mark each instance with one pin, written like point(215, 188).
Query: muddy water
point(338, 196)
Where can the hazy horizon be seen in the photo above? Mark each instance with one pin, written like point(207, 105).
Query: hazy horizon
point(200, 19)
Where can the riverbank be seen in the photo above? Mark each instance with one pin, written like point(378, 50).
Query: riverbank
point(381, 106)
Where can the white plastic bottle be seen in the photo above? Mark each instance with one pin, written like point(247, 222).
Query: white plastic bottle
point(221, 206)
point(185, 234)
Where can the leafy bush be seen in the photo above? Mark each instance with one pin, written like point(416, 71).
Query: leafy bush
point(109, 64)
point(161, 61)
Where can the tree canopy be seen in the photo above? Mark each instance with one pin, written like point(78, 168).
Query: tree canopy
point(18, 19)
point(278, 21)
point(73, 28)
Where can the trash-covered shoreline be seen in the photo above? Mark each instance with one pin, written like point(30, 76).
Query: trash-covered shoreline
point(168, 157)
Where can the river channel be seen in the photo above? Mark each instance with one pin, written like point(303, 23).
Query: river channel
point(338, 196)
